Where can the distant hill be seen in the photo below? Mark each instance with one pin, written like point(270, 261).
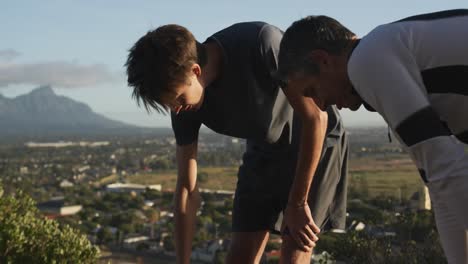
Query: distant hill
point(44, 114)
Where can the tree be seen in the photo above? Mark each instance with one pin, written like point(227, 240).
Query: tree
point(27, 237)
point(168, 243)
point(153, 217)
point(142, 246)
point(104, 235)
point(220, 257)
point(360, 247)
point(151, 194)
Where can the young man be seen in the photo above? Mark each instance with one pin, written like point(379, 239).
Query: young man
point(414, 72)
point(226, 84)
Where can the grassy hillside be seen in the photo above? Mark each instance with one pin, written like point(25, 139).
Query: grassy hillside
point(211, 177)
point(376, 176)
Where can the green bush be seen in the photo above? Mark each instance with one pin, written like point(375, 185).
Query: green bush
point(27, 237)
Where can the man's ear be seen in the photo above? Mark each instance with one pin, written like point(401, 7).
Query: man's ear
point(196, 69)
point(321, 58)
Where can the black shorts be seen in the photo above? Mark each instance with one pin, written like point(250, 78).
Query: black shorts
point(266, 175)
point(262, 189)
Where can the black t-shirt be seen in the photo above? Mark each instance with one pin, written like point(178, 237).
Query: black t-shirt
point(245, 101)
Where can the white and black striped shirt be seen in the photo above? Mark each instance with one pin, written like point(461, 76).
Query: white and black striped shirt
point(414, 72)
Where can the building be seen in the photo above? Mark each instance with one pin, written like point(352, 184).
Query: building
point(207, 253)
point(131, 187)
point(56, 207)
point(65, 184)
point(24, 170)
point(133, 239)
point(64, 144)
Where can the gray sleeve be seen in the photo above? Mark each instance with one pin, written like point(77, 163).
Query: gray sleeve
point(185, 126)
point(269, 41)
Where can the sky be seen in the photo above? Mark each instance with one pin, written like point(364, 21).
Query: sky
point(80, 47)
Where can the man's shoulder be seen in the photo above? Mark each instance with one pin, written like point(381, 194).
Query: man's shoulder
point(249, 41)
point(244, 31)
point(378, 47)
point(248, 26)
point(377, 53)
point(270, 33)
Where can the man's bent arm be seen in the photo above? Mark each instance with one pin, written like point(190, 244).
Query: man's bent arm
point(314, 126)
point(186, 200)
point(298, 218)
point(312, 137)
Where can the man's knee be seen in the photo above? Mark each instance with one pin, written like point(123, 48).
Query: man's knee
point(291, 253)
point(247, 247)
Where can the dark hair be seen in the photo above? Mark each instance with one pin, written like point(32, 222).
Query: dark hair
point(159, 61)
point(306, 35)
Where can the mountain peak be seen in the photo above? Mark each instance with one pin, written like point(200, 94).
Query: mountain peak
point(45, 90)
point(42, 112)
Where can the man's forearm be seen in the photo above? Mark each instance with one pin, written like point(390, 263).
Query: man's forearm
point(186, 206)
point(312, 138)
point(186, 201)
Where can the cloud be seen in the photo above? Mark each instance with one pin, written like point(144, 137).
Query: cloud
point(8, 54)
point(55, 73)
